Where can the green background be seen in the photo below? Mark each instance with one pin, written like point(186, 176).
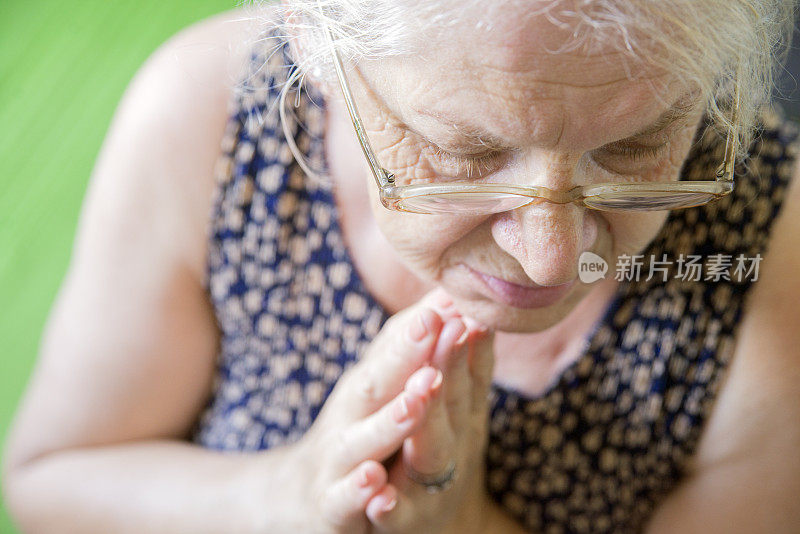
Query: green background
point(63, 68)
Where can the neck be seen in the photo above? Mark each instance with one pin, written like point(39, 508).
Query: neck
point(530, 362)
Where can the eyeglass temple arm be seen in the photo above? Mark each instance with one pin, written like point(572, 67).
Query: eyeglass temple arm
point(725, 171)
point(382, 176)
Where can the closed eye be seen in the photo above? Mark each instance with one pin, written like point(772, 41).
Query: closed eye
point(469, 165)
point(636, 152)
point(621, 157)
point(626, 159)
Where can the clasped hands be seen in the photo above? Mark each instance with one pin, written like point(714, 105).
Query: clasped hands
point(414, 408)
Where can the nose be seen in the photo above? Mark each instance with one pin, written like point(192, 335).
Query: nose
point(546, 239)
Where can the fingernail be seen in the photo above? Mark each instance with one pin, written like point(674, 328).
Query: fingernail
point(437, 381)
point(402, 410)
point(463, 339)
point(389, 506)
point(458, 330)
point(422, 325)
point(421, 381)
point(363, 479)
point(475, 326)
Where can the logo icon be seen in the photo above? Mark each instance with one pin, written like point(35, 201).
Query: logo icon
point(591, 267)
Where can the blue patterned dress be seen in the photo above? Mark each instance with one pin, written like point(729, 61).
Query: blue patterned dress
point(599, 449)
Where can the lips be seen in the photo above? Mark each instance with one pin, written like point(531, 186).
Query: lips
point(519, 296)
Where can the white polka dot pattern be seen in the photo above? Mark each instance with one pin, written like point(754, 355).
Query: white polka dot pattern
point(595, 453)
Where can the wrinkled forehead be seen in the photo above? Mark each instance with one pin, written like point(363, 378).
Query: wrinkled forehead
point(521, 72)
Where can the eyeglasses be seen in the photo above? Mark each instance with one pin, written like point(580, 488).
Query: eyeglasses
point(484, 199)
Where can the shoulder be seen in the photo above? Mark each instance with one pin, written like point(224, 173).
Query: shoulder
point(760, 390)
point(132, 325)
point(745, 474)
point(161, 150)
point(755, 424)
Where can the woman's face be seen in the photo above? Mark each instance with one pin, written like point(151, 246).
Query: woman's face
point(496, 106)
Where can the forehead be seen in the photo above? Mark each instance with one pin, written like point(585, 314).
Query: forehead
point(507, 73)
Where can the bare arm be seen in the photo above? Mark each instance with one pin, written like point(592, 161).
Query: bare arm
point(746, 476)
point(151, 486)
point(127, 356)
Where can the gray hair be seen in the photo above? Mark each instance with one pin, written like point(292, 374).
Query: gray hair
point(712, 45)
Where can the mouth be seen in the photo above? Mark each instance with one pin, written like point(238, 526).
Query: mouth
point(516, 295)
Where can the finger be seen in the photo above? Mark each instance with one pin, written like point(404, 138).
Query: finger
point(389, 510)
point(379, 435)
point(374, 381)
point(453, 332)
point(481, 363)
point(346, 499)
point(404, 345)
point(458, 389)
point(442, 303)
point(474, 327)
point(451, 356)
point(428, 450)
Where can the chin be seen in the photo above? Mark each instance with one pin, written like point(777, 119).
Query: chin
point(504, 318)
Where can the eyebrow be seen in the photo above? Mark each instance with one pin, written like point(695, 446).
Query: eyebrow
point(474, 135)
point(679, 110)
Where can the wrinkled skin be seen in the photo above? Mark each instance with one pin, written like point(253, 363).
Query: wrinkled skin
point(566, 119)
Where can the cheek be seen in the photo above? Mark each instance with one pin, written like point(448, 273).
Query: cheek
point(632, 232)
point(426, 244)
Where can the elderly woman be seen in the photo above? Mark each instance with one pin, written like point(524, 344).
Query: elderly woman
point(551, 199)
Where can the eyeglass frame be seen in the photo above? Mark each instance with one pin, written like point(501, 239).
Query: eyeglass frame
point(391, 194)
